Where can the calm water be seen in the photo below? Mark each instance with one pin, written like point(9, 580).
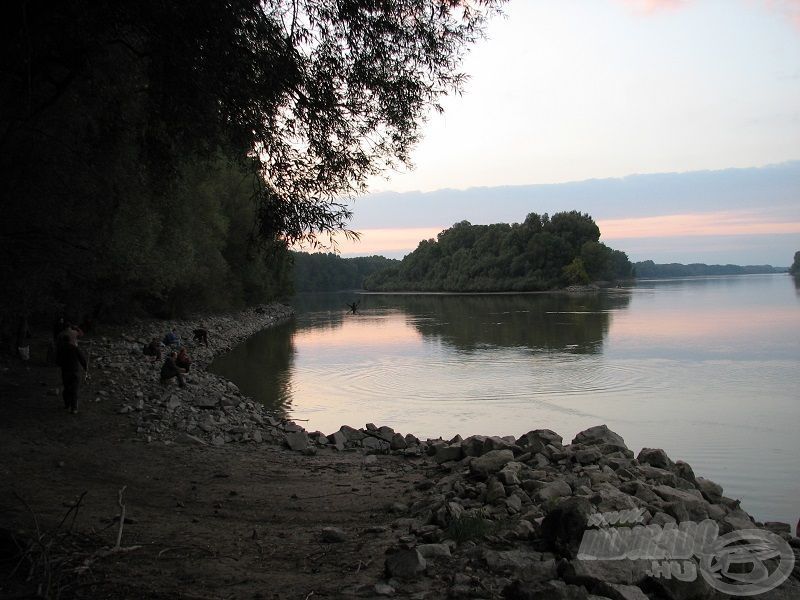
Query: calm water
point(706, 368)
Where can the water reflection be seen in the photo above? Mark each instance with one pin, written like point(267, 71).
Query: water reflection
point(542, 322)
point(262, 366)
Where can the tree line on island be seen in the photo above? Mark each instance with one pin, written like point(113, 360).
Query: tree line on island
point(501, 257)
point(541, 253)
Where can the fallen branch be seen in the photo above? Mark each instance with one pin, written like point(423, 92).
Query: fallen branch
point(121, 517)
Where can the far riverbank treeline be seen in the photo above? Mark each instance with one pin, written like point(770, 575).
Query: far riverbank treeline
point(649, 269)
point(541, 253)
point(329, 272)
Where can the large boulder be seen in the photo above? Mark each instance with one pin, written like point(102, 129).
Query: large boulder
point(599, 434)
point(553, 490)
point(711, 491)
point(405, 564)
point(490, 463)
point(564, 526)
point(655, 457)
point(297, 440)
point(445, 453)
point(473, 445)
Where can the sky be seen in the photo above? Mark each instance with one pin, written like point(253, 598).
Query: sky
point(647, 114)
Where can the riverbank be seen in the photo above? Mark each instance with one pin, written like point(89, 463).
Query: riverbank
point(223, 499)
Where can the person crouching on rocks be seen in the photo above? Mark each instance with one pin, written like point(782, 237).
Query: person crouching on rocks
point(172, 339)
point(182, 360)
point(171, 369)
point(71, 359)
point(153, 349)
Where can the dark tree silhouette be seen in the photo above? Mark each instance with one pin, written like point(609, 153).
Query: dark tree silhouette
point(110, 113)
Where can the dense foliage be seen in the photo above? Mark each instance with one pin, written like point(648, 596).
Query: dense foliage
point(539, 254)
point(122, 125)
point(795, 268)
point(649, 269)
point(327, 272)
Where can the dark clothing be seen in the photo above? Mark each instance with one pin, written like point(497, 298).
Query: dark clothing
point(201, 336)
point(169, 370)
point(171, 339)
point(153, 349)
point(71, 359)
point(183, 361)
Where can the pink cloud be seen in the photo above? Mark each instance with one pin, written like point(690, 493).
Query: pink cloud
point(706, 224)
point(790, 9)
point(649, 7)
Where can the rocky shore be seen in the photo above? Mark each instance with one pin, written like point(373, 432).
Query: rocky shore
point(481, 517)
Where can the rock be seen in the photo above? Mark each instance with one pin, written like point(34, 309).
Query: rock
point(498, 443)
point(509, 474)
point(563, 527)
point(537, 440)
point(173, 402)
point(434, 550)
point(491, 462)
point(205, 402)
point(375, 445)
point(674, 589)
point(218, 440)
point(671, 494)
point(333, 535)
point(599, 434)
point(297, 440)
point(778, 527)
point(658, 475)
point(352, 435)
point(494, 491)
point(593, 572)
point(611, 499)
point(385, 433)
point(398, 442)
point(257, 437)
point(338, 439)
point(514, 504)
point(473, 445)
point(383, 589)
point(655, 457)
point(736, 519)
point(616, 591)
point(445, 453)
point(685, 472)
point(507, 561)
point(555, 489)
point(549, 590)
point(191, 439)
point(588, 456)
point(405, 564)
point(711, 491)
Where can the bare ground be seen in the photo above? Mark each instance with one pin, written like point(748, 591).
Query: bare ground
point(241, 521)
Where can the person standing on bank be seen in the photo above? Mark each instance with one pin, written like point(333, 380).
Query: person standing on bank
point(72, 361)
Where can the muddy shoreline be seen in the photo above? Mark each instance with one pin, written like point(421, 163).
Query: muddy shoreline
point(225, 500)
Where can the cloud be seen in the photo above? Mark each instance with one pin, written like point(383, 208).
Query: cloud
point(703, 224)
point(649, 7)
point(790, 9)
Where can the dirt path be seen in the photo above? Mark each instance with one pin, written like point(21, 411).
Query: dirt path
point(239, 521)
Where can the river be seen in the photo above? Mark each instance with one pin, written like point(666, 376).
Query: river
point(706, 368)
